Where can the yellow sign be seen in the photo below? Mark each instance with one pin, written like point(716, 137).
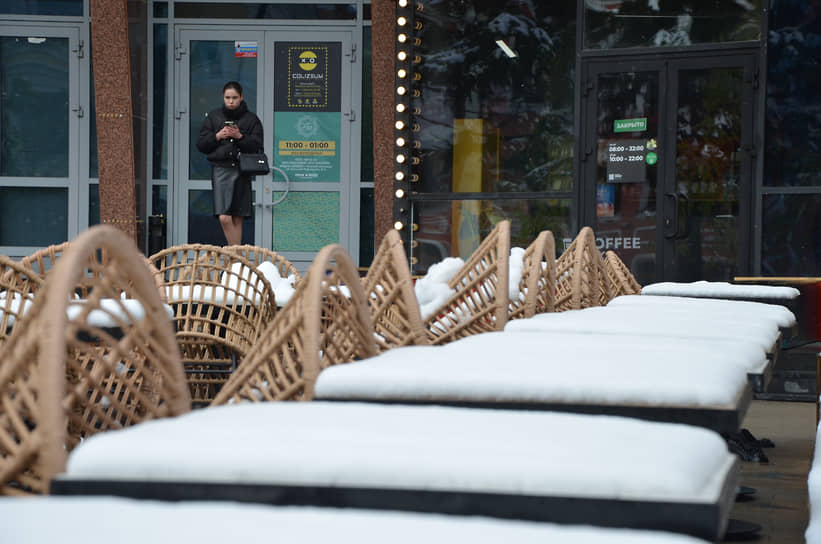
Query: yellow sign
point(307, 60)
point(302, 147)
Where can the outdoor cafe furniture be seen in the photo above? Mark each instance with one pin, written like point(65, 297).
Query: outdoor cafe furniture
point(221, 306)
point(622, 281)
point(722, 290)
point(480, 299)
point(233, 522)
point(813, 534)
point(539, 466)
point(391, 300)
point(75, 367)
point(643, 323)
point(662, 380)
point(18, 286)
point(325, 323)
point(537, 284)
point(581, 280)
point(259, 255)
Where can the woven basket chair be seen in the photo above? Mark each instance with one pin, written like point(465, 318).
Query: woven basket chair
point(259, 255)
point(621, 280)
point(580, 277)
point(538, 281)
point(221, 306)
point(319, 327)
point(72, 369)
point(391, 299)
point(18, 286)
point(480, 303)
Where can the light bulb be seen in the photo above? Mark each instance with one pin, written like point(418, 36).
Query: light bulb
point(400, 193)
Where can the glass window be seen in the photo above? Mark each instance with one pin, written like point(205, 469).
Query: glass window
point(228, 10)
point(42, 7)
point(33, 217)
point(305, 221)
point(204, 227)
point(611, 24)
point(160, 95)
point(34, 111)
point(792, 155)
point(791, 238)
point(93, 204)
point(159, 200)
point(366, 227)
point(367, 107)
point(497, 89)
point(161, 9)
point(454, 228)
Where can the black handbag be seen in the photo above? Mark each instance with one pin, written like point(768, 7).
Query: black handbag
point(253, 164)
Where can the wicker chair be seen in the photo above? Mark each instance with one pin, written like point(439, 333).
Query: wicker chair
point(321, 325)
point(18, 286)
point(221, 307)
point(391, 299)
point(480, 303)
point(621, 280)
point(43, 260)
point(538, 281)
point(259, 255)
point(73, 368)
point(580, 277)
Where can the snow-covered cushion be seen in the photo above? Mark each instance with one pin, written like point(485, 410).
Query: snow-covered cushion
point(718, 289)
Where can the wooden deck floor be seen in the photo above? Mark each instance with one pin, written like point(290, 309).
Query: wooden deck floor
point(780, 505)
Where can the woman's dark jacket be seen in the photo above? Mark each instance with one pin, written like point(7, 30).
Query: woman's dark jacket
point(224, 152)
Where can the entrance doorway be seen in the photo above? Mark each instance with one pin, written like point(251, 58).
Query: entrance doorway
point(299, 83)
point(667, 163)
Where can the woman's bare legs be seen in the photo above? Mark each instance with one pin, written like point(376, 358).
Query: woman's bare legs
point(232, 228)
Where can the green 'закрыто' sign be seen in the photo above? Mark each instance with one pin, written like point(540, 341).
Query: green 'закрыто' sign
point(630, 125)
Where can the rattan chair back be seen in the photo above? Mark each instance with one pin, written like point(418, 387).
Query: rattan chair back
point(325, 323)
point(73, 368)
point(221, 306)
point(537, 287)
point(391, 299)
point(621, 280)
point(18, 285)
point(580, 277)
point(43, 260)
point(259, 255)
point(480, 303)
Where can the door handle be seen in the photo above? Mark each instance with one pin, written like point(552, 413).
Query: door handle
point(681, 198)
point(670, 227)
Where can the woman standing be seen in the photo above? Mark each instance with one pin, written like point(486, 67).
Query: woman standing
point(226, 132)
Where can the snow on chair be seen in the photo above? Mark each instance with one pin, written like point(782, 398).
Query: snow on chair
point(325, 323)
point(580, 277)
point(621, 280)
point(538, 279)
point(393, 305)
point(221, 306)
point(480, 301)
point(74, 367)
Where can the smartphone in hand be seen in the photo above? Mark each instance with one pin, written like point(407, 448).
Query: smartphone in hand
point(229, 123)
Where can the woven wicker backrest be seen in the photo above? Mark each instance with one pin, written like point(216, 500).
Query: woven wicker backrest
point(391, 299)
point(537, 285)
point(580, 278)
point(221, 306)
point(43, 260)
point(259, 255)
point(18, 285)
point(78, 367)
point(326, 322)
point(480, 303)
point(621, 280)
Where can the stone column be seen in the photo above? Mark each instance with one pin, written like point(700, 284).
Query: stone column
point(383, 15)
point(112, 93)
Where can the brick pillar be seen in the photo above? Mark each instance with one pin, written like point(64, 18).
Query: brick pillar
point(383, 15)
point(112, 94)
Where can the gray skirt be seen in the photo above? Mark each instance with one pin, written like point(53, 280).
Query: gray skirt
point(232, 192)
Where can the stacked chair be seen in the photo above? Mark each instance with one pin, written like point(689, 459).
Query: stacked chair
point(537, 286)
point(74, 367)
point(18, 286)
point(580, 276)
point(221, 306)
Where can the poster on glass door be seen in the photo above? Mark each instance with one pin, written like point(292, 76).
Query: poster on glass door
point(307, 110)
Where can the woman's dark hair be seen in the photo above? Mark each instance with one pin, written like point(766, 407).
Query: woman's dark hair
point(232, 85)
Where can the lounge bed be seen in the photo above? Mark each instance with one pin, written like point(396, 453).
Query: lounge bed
point(660, 380)
point(539, 466)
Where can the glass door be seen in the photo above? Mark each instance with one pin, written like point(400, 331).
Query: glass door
point(205, 61)
point(40, 112)
point(666, 165)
